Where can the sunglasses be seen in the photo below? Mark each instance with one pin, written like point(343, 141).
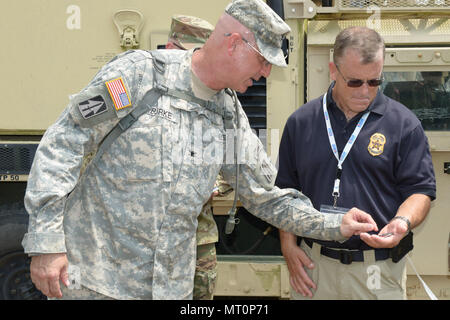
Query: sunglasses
point(356, 83)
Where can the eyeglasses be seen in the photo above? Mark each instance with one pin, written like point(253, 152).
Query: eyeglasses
point(266, 63)
point(178, 46)
point(356, 83)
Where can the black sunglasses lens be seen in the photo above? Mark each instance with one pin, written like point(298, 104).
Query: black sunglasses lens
point(374, 82)
point(358, 83)
point(355, 83)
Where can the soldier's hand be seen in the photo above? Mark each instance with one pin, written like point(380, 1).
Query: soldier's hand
point(297, 260)
point(214, 193)
point(46, 271)
point(355, 222)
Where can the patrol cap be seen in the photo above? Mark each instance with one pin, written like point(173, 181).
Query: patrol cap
point(268, 28)
point(189, 32)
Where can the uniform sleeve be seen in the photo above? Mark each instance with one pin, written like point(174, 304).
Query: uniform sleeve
point(287, 209)
point(415, 173)
point(56, 167)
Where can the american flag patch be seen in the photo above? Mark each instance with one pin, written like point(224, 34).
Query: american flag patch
point(118, 93)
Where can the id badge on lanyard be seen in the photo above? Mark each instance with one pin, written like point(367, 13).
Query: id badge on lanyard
point(346, 150)
point(333, 209)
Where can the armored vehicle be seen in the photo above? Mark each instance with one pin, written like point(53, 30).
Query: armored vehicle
point(52, 53)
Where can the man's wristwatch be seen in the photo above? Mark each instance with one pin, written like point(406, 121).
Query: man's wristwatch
point(404, 219)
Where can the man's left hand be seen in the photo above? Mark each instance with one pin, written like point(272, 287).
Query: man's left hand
point(388, 237)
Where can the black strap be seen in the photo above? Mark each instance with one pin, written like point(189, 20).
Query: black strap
point(348, 256)
point(150, 99)
point(159, 68)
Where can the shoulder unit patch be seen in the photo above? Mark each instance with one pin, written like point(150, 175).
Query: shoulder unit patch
point(92, 107)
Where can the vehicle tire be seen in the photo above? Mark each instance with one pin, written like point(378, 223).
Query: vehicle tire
point(15, 281)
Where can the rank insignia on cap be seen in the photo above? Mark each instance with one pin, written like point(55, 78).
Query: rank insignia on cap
point(118, 93)
point(92, 107)
point(376, 144)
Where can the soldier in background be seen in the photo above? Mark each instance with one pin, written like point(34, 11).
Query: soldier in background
point(187, 32)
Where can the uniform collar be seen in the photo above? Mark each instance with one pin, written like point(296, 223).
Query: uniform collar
point(187, 81)
point(184, 84)
point(378, 105)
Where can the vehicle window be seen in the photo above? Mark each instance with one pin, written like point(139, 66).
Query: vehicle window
point(426, 93)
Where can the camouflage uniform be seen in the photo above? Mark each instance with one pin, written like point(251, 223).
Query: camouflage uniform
point(206, 266)
point(207, 235)
point(80, 293)
point(129, 221)
point(188, 32)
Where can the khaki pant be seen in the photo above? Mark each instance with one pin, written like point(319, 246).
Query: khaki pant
point(368, 280)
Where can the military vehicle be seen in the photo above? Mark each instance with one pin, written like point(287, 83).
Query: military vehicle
point(53, 52)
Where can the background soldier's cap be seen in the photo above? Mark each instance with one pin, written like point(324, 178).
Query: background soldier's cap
point(189, 32)
point(269, 29)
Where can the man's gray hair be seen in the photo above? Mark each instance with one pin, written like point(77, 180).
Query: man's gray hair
point(364, 40)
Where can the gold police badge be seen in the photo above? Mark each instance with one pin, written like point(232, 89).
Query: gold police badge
point(376, 144)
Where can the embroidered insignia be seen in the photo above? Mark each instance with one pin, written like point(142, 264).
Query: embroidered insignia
point(376, 144)
point(118, 93)
point(92, 107)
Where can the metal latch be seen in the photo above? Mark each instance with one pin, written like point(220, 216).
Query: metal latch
point(303, 9)
point(129, 24)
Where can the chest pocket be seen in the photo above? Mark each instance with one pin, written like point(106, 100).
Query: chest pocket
point(139, 152)
point(207, 158)
point(144, 150)
point(202, 158)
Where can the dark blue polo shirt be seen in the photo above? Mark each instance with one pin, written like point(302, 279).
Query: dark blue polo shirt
point(376, 177)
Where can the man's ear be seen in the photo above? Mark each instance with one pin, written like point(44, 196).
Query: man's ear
point(333, 70)
point(232, 42)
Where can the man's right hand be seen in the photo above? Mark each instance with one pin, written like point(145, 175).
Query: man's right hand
point(356, 221)
point(297, 261)
point(46, 271)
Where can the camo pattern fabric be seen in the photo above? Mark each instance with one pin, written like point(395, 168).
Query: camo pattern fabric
point(207, 231)
point(129, 222)
point(207, 234)
point(222, 187)
point(189, 32)
point(267, 26)
point(80, 293)
point(205, 272)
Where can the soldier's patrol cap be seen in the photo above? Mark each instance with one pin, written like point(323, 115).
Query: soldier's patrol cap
point(189, 32)
point(268, 27)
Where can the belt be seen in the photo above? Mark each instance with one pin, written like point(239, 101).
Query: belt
point(348, 256)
